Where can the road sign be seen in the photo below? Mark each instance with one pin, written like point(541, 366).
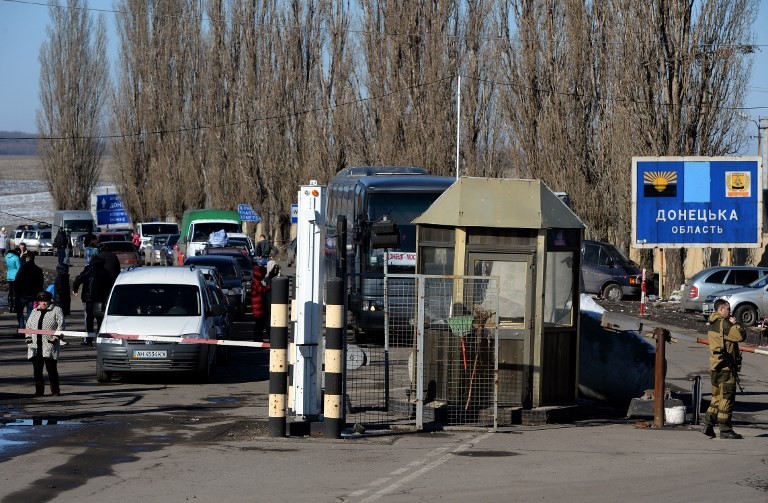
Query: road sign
point(247, 214)
point(294, 213)
point(110, 210)
point(696, 202)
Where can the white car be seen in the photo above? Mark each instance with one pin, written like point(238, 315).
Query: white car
point(161, 301)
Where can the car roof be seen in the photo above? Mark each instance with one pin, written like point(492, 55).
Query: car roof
point(716, 268)
point(162, 275)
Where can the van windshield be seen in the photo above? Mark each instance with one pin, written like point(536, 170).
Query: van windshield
point(79, 225)
point(154, 300)
point(154, 229)
point(617, 256)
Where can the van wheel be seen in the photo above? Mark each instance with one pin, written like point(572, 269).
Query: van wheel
point(613, 293)
point(746, 315)
point(202, 375)
point(102, 375)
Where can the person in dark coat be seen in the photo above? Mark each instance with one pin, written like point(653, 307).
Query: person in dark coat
point(97, 284)
point(60, 243)
point(43, 350)
point(61, 288)
point(111, 264)
point(29, 281)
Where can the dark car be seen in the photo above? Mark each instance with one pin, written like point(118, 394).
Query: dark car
point(231, 273)
point(608, 272)
point(246, 265)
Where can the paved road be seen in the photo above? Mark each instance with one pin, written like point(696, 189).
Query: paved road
point(154, 439)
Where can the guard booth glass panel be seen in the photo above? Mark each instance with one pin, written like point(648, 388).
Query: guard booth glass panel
point(558, 289)
point(515, 327)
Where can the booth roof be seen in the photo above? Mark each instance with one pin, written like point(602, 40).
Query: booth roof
point(500, 202)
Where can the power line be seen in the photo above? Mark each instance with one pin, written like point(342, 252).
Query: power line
point(232, 124)
point(605, 99)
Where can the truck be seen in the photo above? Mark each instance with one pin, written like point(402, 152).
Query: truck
point(197, 226)
point(76, 222)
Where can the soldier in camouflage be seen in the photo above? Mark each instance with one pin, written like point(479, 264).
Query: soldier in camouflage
point(724, 363)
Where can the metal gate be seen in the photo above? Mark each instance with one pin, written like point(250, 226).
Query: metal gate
point(435, 359)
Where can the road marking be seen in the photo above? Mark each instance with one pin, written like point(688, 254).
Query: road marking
point(431, 466)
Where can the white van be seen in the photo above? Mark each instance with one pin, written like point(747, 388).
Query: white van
point(164, 301)
point(148, 230)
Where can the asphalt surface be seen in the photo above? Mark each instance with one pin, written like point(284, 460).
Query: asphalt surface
point(161, 439)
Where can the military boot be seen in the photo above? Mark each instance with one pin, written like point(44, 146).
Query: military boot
point(39, 388)
point(709, 431)
point(730, 435)
point(55, 391)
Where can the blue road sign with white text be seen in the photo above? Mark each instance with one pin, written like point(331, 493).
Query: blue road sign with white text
point(110, 210)
point(247, 214)
point(696, 202)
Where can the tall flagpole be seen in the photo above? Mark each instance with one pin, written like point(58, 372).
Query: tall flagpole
point(458, 123)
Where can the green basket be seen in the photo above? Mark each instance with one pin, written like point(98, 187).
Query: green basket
point(461, 325)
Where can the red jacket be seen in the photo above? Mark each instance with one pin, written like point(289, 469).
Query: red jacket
point(259, 292)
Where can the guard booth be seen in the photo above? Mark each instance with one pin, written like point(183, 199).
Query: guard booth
point(520, 232)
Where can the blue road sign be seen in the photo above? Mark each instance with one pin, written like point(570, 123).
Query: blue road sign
point(696, 202)
point(247, 214)
point(110, 211)
point(294, 213)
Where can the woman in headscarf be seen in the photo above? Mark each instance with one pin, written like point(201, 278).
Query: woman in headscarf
point(43, 350)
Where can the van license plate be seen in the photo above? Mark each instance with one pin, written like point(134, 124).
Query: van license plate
point(149, 354)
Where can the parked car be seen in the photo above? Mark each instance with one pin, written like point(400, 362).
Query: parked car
point(608, 272)
point(168, 301)
point(125, 250)
point(246, 268)
point(164, 252)
point(16, 237)
point(38, 241)
point(230, 272)
point(717, 279)
point(749, 304)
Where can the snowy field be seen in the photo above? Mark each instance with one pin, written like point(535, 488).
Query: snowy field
point(24, 202)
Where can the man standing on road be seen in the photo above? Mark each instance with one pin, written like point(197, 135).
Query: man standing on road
point(96, 283)
point(60, 243)
point(724, 335)
point(264, 250)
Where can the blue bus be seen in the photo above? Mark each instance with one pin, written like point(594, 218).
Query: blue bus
point(366, 195)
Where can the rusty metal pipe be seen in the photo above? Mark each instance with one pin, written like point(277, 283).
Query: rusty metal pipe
point(660, 375)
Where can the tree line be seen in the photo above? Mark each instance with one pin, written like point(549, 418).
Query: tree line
point(221, 102)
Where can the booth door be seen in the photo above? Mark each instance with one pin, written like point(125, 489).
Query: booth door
point(516, 287)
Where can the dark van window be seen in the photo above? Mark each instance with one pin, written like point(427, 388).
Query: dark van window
point(742, 277)
point(591, 254)
point(155, 300)
point(717, 277)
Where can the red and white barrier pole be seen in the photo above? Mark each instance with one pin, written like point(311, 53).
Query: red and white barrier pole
point(642, 295)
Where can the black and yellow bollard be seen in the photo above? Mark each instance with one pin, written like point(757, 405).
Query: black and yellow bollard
point(278, 357)
point(333, 416)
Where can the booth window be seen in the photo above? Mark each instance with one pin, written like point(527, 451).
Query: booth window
point(436, 260)
point(559, 289)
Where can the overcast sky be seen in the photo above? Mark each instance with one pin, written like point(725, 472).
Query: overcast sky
point(23, 29)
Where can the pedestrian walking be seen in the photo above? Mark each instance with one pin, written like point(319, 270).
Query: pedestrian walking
point(12, 265)
point(43, 350)
point(3, 241)
point(91, 246)
point(96, 283)
point(258, 302)
point(29, 281)
point(724, 335)
point(111, 264)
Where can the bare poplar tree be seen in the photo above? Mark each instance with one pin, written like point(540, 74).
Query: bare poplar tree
point(74, 87)
point(160, 154)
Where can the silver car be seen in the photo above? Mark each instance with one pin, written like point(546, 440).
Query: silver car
point(717, 279)
point(749, 304)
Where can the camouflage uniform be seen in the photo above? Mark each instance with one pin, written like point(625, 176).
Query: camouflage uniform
point(724, 337)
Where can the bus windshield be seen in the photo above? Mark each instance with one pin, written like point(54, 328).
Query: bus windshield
point(402, 208)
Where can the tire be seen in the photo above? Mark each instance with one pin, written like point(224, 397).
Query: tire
point(102, 375)
point(613, 292)
point(746, 315)
point(202, 375)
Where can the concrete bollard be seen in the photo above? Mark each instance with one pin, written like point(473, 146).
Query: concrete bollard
point(333, 422)
point(278, 357)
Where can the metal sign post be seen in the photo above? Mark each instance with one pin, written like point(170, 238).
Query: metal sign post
point(310, 246)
